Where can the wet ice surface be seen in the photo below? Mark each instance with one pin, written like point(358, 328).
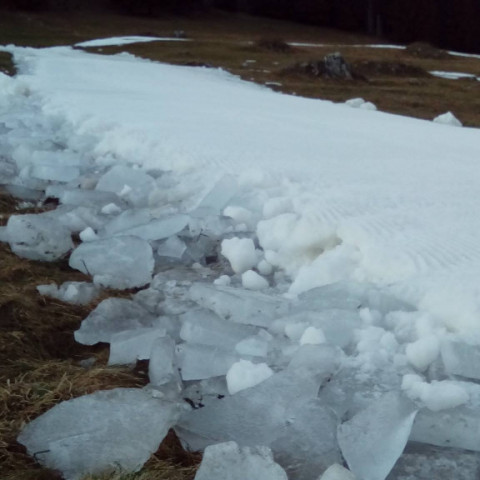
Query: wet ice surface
point(318, 307)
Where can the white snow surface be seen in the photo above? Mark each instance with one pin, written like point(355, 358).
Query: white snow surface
point(401, 192)
point(112, 41)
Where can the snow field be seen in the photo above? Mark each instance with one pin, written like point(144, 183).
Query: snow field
point(343, 297)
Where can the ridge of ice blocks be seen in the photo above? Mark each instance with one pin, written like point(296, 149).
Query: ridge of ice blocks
point(119, 262)
point(113, 316)
point(38, 237)
point(78, 293)
point(461, 358)
point(230, 461)
point(113, 430)
point(373, 440)
point(237, 305)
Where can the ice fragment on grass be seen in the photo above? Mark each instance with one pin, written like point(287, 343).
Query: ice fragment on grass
point(229, 461)
point(120, 262)
point(38, 237)
point(448, 118)
point(78, 293)
point(374, 438)
point(245, 374)
point(106, 431)
point(355, 102)
point(240, 252)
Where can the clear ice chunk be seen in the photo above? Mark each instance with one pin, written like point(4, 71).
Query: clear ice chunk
point(219, 196)
point(158, 228)
point(173, 248)
point(89, 198)
point(337, 472)
point(461, 358)
point(251, 417)
point(373, 440)
point(132, 185)
point(238, 305)
point(197, 362)
point(457, 427)
point(120, 262)
point(112, 316)
point(131, 345)
point(114, 430)
point(162, 368)
point(230, 461)
point(204, 327)
point(38, 237)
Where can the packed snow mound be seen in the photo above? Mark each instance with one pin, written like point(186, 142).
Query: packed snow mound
point(314, 294)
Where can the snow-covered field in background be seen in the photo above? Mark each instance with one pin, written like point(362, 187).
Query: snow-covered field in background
point(352, 238)
point(105, 42)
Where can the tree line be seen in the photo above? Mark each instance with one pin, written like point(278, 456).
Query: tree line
point(445, 23)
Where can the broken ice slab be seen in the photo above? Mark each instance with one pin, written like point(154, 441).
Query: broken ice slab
point(162, 366)
point(118, 262)
point(8, 169)
point(58, 173)
point(132, 185)
point(373, 440)
point(158, 228)
point(238, 305)
point(204, 327)
point(218, 197)
point(24, 193)
point(197, 362)
point(255, 346)
point(337, 325)
point(38, 237)
point(76, 219)
point(77, 293)
point(91, 198)
point(254, 416)
point(114, 430)
point(425, 462)
point(113, 315)
point(308, 444)
point(457, 427)
point(349, 295)
point(131, 345)
point(324, 360)
point(172, 249)
point(351, 390)
point(228, 460)
point(461, 358)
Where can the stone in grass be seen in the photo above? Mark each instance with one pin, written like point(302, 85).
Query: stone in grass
point(38, 237)
point(119, 262)
point(228, 461)
point(103, 432)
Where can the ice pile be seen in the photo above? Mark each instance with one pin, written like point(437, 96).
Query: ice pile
point(298, 315)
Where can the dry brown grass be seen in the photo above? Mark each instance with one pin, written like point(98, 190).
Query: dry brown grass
point(40, 364)
point(6, 64)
